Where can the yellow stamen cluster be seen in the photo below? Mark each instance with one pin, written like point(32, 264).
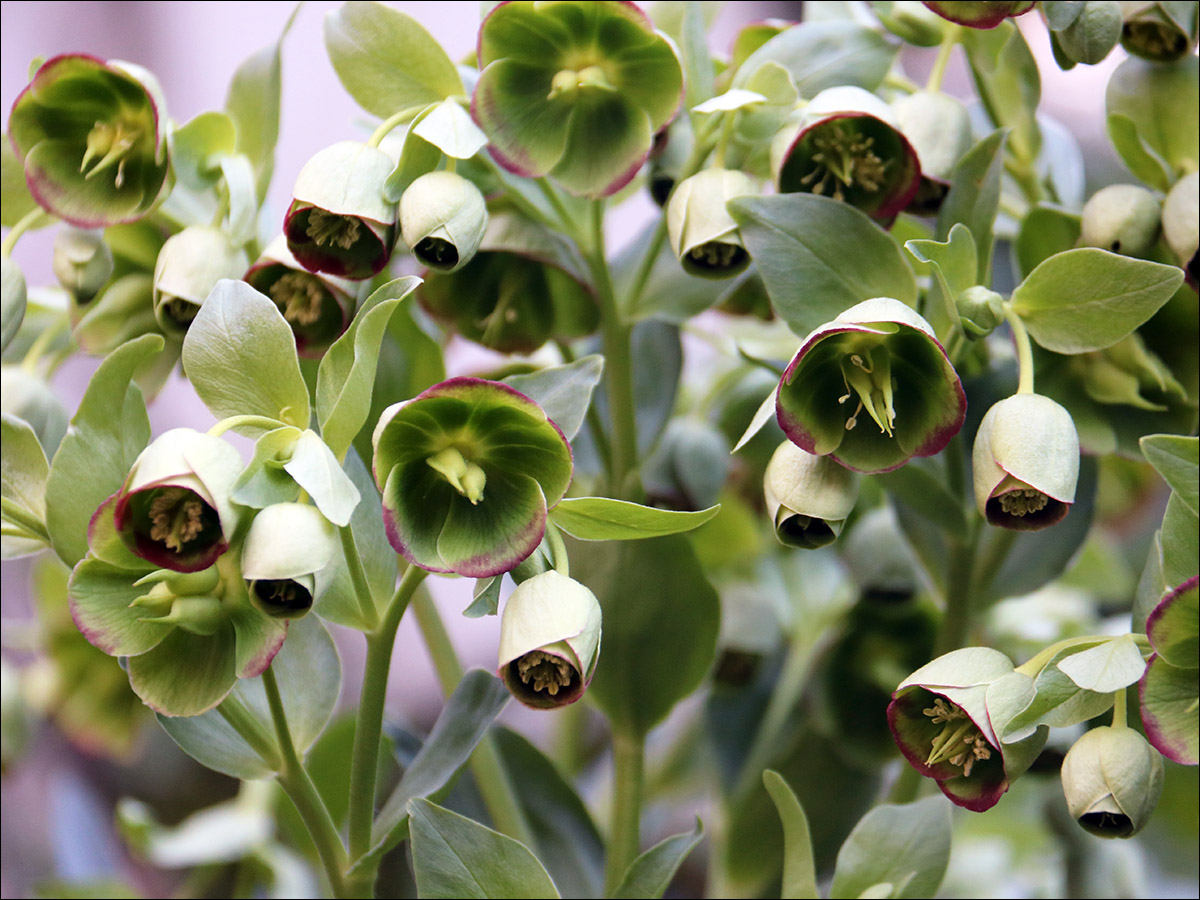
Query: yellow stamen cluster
point(175, 517)
point(299, 295)
point(1023, 501)
point(108, 145)
point(547, 673)
point(844, 160)
point(330, 228)
point(960, 742)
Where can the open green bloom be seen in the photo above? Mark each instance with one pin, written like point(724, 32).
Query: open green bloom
point(879, 361)
point(92, 137)
point(468, 470)
point(1168, 689)
point(703, 234)
point(1112, 780)
point(1025, 463)
point(808, 497)
point(549, 640)
point(979, 13)
point(443, 217)
point(288, 548)
point(189, 266)
point(339, 222)
point(575, 90)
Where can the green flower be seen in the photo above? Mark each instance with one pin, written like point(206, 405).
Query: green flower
point(189, 266)
point(92, 137)
point(467, 470)
point(82, 262)
point(289, 546)
point(443, 217)
point(1112, 780)
point(1181, 225)
point(1168, 689)
point(703, 234)
point(808, 497)
point(575, 90)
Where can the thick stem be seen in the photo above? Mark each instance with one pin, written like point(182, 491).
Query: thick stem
point(628, 782)
point(264, 422)
point(907, 785)
point(250, 730)
point(956, 621)
point(558, 550)
point(1120, 708)
point(358, 578)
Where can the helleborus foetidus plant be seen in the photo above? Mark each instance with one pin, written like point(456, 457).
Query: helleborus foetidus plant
point(189, 266)
point(82, 262)
point(1181, 225)
point(1123, 218)
point(92, 138)
point(938, 127)
point(468, 469)
point(443, 218)
point(873, 388)
point(1112, 780)
point(808, 497)
point(979, 13)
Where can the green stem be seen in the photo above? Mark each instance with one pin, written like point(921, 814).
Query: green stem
point(1120, 708)
point(264, 422)
point(490, 775)
point(995, 551)
point(595, 425)
point(1024, 350)
point(555, 199)
point(558, 550)
point(938, 73)
point(907, 785)
point(1036, 663)
point(392, 122)
point(24, 224)
point(358, 578)
point(365, 756)
point(956, 621)
point(628, 782)
point(250, 730)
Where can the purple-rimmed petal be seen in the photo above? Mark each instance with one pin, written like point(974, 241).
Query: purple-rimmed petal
point(1167, 697)
point(186, 674)
point(491, 537)
point(100, 598)
point(258, 638)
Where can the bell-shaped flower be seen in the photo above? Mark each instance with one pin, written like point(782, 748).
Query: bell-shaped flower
point(339, 222)
point(703, 234)
point(174, 509)
point(82, 262)
point(1181, 225)
point(1112, 780)
point(188, 267)
point(979, 13)
point(847, 145)
point(1025, 463)
point(1121, 218)
point(92, 137)
point(443, 217)
point(1152, 32)
point(808, 497)
point(873, 388)
point(575, 90)
point(317, 307)
point(14, 297)
point(287, 550)
point(939, 128)
point(468, 470)
point(549, 640)
point(948, 718)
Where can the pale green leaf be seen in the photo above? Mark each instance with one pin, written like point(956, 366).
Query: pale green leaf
point(23, 473)
point(449, 128)
point(907, 845)
point(316, 469)
point(799, 870)
point(1176, 458)
point(564, 392)
point(650, 874)
point(1107, 667)
point(604, 519)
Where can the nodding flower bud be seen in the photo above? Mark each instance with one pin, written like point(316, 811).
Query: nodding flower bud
point(1026, 463)
point(1121, 218)
point(188, 600)
point(549, 640)
point(808, 497)
point(1112, 779)
point(13, 298)
point(939, 128)
point(1181, 225)
point(1153, 33)
point(188, 267)
point(703, 234)
point(980, 310)
point(979, 13)
point(443, 217)
point(82, 262)
point(288, 547)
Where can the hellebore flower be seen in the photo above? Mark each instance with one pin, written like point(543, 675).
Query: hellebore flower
point(174, 509)
point(848, 147)
point(318, 308)
point(468, 470)
point(189, 266)
point(1168, 689)
point(443, 217)
point(1026, 463)
point(549, 640)
point(1181, 225)
point(808, 497)
point(1153, 33)
point(979, 13)
point(947, 718)
point(92, 137)
point(703, 234)
point(288, 547)
point(882, 357)
point(1121, 218)
point(575, 90)
point(939, 128)
point(82, 262)
point(1112, 780)
point(339, 222)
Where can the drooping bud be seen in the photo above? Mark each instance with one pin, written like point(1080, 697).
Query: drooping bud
point(82, 262)
point(980, 310)
point(184, 599)
point(288, 546)
point(1112, 779)
point(808, 497)
point(939, 129)
point(703, 234)
point(188, 268)
point(1181, 225)
point(1121, 218)
point(443, 217)
point(1156, 32)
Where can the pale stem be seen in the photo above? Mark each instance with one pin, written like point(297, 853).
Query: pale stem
point(1024, 349)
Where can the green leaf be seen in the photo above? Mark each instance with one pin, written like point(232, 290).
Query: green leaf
point(1176, 459)
point(347, 373)
point(1142, 161)
point(449, 127)
point(1006, 80)
point(906, 845)
point(974, 200)
point(825, 54)
point(1088, 299)
point(1154, 117)
point(1057, 700)
point(456, 858)
point(953, 261)
point(386, 60)
point(462, 724)
point(314, 468)
point(264, 481)
point(1107, 667)
point(23, 473)
point(799, 871)
point(650, 874)
point(819, 257)
point(564, 392)
point(1045, 231)
point(243, 198)
point(107, 433)
point(198, 147)
point(485, 597)
point(696, 57)
point(238, 330)
point(660, 626)
point(1180, 542)
point(604, 519)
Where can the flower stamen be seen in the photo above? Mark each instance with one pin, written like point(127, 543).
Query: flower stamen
point(871, 379)
point(1023, 501)
point(330, 228)
point(110, 145)
point(176, 517)
point(547, 673)
point(843, 161)
point(299, 296)
point(960, 743)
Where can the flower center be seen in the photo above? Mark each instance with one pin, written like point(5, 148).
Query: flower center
point(841, 160)
point(1023, 501)
point(545, 672)
point(871, 379)
point(465, 477)
point(960, 743)
point(567, 81)
point(436, 253)
point(717, 256)
point(176, 517)
point(108, 144)
point(299, 296)
point(180, 311)
point(284, 595)
point(330, 228)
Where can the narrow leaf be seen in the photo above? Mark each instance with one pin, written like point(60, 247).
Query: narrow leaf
point(650, 874)
point(974, 200)
point(604, 519)
point(799, 870)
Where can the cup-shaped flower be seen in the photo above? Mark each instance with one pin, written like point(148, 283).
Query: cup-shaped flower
point(82, 262)
point(549, 640)
point(848, 146)
point(92, 137)
point(979, 13)
point(443, 217)
point(318, 307)
point(339, 222)
point(467, 470)
point(188, 267)
point(13, 299)
point(1153, 33)
point(808, 497)
point(1181, 225)
point(1121, 218)
point(1025, 463)
point(947, 719)
point(1112, 780)
point(288, 547)
point(877, 360)
point(575, 90)
point(703, 234)
point(174, 509)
